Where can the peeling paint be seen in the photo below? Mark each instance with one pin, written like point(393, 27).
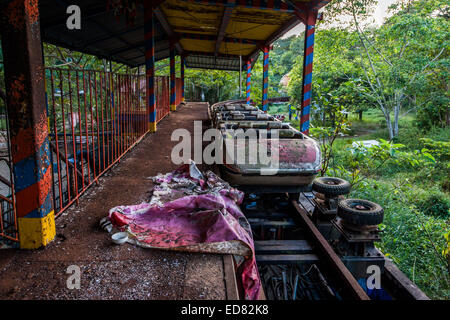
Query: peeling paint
point(14, 12)
point(32, 10)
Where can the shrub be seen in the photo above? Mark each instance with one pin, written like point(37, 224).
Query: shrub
point(435, 204)
point(433, 113)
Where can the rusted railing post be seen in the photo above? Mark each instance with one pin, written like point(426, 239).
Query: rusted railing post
point(30, 151)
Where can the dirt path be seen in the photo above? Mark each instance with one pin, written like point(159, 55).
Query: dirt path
point(109, 271)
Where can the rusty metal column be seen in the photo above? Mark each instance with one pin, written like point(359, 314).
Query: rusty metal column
point(310, 27)
point(30, 151)
point(149, 30)
point(182, 77)
point(265, 88)
point(173, 94)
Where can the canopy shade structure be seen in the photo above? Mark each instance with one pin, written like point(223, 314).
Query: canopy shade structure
point(210, 34)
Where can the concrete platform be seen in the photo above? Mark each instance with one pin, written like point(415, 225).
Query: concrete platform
point(109, 271)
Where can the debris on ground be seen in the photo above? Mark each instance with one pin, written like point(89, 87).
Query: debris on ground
point(195, 212)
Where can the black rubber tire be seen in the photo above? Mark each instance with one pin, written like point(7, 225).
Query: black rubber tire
point(331, 186)
point(372, 214)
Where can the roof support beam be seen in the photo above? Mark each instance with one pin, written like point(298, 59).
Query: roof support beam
point(101, 27)
point(210, 54)
point(158, 54)
point(301, 13)
point(195, 66)
point(275, 36)
point(276, 5)
point(139, 46)
point(226, 17)
point(107, 37)
point(210, 37)
point(317, 4)
point(167, 28)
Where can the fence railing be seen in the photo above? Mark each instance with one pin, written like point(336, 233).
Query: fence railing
point(94, 118)
point(162, 96)
point(8, 219)
point(178, 91)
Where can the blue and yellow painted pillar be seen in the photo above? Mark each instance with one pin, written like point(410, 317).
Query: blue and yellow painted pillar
point(249, 80)
point(182, 77)
point(173, 94)
point(28, 124)
point(311, 18)
point(149, 30)
point(265, 102)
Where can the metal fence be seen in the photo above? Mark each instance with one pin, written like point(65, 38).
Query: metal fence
point(8, 221)
point(162, 96)
point(94, 118)
point(178, 91)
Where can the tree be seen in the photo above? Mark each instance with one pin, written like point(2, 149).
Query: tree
point(396, 58)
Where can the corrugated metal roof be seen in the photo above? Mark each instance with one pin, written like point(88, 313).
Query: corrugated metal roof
point(211, 62)
point(213, 34)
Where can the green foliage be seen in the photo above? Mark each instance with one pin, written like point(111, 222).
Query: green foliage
point(414, 241)
point(436, 203)
point(440, 149)
point(408, 179)
point(397, 67)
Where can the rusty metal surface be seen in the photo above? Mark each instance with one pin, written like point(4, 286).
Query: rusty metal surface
point(110, 271)
point(330, 257)
point(229, 277)
point(21, 46)
point(95, 118)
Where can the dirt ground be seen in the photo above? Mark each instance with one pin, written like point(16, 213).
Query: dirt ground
point(109, 271)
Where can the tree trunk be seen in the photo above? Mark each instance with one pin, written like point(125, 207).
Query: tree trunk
point(3, 95)
point(389, 126)
point(397, 107)
point(360, 112)
point(396, 115)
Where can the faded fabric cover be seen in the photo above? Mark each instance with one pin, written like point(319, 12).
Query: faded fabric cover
point(188, 212)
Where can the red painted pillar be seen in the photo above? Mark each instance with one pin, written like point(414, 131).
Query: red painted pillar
point(311, 17)
point(28, 124)
point(265, 89)
point(173, 94)
point(182, 78)
point(249, 80)
point(150, 63)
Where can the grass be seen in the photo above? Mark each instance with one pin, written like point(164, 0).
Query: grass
point(417, 213)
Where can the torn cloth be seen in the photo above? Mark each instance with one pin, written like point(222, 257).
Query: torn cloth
point(203, 215)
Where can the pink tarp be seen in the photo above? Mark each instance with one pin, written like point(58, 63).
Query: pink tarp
point(189, 212)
